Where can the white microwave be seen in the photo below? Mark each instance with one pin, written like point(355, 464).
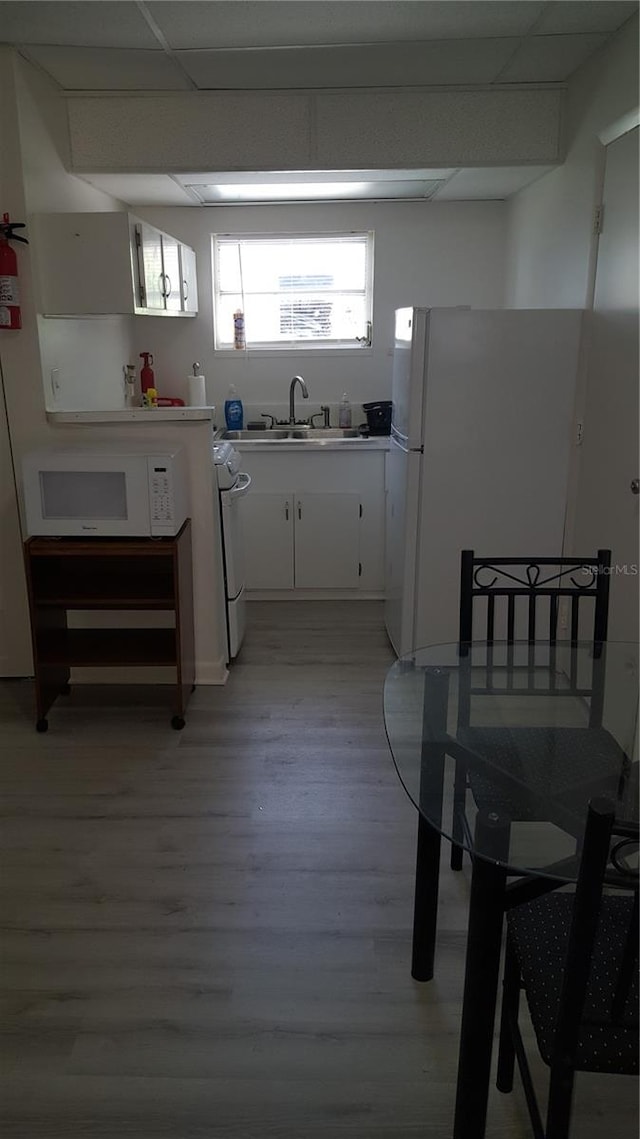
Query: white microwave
point(105, 492)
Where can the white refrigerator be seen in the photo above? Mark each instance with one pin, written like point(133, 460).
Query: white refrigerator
point(481, 438)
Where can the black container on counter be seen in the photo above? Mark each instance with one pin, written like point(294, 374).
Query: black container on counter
point(378, 416)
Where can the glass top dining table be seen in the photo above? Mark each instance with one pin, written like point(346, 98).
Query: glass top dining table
point(501, 747)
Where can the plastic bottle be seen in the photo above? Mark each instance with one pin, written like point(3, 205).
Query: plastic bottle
point(233, 411)
point(344, 412)
point(129, 385)
point(147, 378)
point(239, 339)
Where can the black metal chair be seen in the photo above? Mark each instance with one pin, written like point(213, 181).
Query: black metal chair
point(576, 957)
point(522, 600)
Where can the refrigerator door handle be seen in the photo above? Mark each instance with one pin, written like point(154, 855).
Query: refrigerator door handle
point(402, 441)
point(398, 438)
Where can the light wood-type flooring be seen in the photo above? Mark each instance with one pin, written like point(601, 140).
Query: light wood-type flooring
point(206, 933)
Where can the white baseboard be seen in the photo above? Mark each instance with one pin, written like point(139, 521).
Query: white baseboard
point(314, 595)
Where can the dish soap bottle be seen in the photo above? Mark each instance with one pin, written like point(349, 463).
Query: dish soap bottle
point(344, 412)
point(233, 411)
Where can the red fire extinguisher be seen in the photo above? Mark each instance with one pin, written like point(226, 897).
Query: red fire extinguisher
point(9, 294)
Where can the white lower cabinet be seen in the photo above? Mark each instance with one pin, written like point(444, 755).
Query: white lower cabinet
point(268, 540)
point(327, 541)
point(299, 536)
point(308, 541)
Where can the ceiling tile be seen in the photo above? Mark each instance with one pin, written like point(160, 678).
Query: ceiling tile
point(107, 23)
point(549, 59)
point(585, 16)
point(98, 69)
point(280, 23)
point(489, 184)
point(370, 65)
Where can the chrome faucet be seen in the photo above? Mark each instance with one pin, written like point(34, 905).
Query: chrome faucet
point(292, 396)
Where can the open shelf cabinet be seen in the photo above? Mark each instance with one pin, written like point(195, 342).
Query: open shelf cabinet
point(99, 574)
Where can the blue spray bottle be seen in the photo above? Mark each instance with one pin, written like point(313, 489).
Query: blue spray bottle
point(233, 411)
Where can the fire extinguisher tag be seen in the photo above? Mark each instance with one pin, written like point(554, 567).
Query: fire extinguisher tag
point(5, 317)
point(9, 292)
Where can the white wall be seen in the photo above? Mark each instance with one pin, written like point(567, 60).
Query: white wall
point(82, 361)
point(306, 129)
point(88, 356)
point(436, 254)
point(550, 239)
point(32, 177)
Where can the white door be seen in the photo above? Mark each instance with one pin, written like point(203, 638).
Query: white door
point(15, 637)
point(171, 273)
point(268, 533)
point(402, 476)
point(233, 533)
point(408, 375)
point(151, 266)
point(327, 541)
point(188, 279)
point(607, 509)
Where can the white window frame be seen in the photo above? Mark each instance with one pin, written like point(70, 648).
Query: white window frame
point(225, 346)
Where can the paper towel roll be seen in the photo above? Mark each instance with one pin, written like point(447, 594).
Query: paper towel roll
point(197, 391)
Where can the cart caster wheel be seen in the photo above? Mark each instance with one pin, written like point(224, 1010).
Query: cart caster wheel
point(177, 722)
point(42, 725)
point(65, 690)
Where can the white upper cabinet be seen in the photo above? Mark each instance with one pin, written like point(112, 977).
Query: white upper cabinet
point(100, 264)
point(188, 280)
point(149, 264)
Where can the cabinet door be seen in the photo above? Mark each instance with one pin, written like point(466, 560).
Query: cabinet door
point(268, 533)
point(171, 274)
point(327, 541)
point(84, 264)
point(151, 272)
point(188, 280)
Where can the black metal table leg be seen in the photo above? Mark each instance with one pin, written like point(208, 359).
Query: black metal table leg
point(486, 913)
point(425, 911)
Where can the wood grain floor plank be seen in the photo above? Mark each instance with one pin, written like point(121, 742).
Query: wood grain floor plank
point(206, 934)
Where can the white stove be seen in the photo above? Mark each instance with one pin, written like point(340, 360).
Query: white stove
point(232, 484)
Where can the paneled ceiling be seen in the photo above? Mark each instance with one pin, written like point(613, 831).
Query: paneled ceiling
point(204, 45)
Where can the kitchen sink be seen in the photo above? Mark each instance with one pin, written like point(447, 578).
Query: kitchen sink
point(298, 434)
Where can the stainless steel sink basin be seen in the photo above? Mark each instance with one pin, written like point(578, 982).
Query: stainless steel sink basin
point(298, 434)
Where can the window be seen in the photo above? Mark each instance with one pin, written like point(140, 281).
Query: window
point(307, 291)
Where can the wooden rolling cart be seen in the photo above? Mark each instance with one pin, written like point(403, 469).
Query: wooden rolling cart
point(109, 573)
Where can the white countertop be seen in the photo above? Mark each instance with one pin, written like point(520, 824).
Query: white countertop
point(134, 415)
point(283, 447)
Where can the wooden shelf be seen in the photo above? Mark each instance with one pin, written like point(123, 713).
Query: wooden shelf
point(110, 574)
point(91, 647)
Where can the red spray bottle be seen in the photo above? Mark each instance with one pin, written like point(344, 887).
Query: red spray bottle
point(147, 378)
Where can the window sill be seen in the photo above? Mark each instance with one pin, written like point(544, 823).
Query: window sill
point(239, 353)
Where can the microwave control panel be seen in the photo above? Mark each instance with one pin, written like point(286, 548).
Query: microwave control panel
point(161, 494)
